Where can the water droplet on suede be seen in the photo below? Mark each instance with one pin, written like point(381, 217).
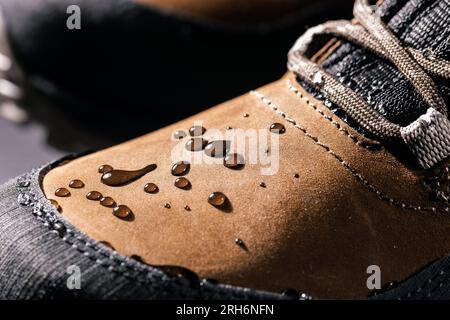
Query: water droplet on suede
point(196, 144)
point(246, 115)
point(62, 192)
point(55, 204)
point(105, 168)
point(179, 134)
point(167, 205)
point(277, 128)
point(76, 184)
point(196, 131)
point(187, 208)
point(233, 161)
point(117, 178)
point(216, 149)
point(181, 168)
point(296, 175)
point(94, 195)
point(107, 202)
point(262, 185)
point(182, 183)
point(217, 199)
point(122, 211)
point(151, 188)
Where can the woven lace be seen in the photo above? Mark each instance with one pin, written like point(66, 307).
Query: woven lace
point(429, 136)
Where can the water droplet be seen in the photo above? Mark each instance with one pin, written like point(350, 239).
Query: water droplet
point(262, 185)
point(181, 168)
point(296, 175)
point(196, 144)
point(121, 211)
point(62, 192)
point(179, 134)
point(94, 195)
point(246, 115)
point(105, 168)
point(277, 128)
point(217, 149)
point(241, 243)
point(196, 131)
point(187, 208)
point(107, 202)
point(233, 161)
point(117, 178)
point(76, 184)
point(167, 205)
point(151, 188)
point(229, 128)
point(217, 199)
point(182, 183)
point(55, 204)
point(318, 78)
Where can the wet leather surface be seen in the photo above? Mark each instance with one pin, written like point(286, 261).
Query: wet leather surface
point(349, 208)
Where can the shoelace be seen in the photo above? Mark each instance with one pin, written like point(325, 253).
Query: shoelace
point(429, 136)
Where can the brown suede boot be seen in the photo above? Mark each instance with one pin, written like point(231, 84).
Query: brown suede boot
point(240, 12)
point(272, 189)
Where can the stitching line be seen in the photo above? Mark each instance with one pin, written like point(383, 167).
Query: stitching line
point(354, 139)
point(347, 166)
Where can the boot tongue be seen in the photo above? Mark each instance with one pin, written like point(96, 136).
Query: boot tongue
point(420, 24)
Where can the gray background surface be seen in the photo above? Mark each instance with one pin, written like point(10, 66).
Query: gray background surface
point(23, 147)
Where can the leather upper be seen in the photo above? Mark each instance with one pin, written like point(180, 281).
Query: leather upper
point(353, 204)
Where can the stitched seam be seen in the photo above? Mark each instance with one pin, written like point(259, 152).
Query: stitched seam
point(353, 138)
point(347, 166)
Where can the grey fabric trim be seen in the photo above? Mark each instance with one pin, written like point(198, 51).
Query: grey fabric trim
point(431, 283)
point(37, 246)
